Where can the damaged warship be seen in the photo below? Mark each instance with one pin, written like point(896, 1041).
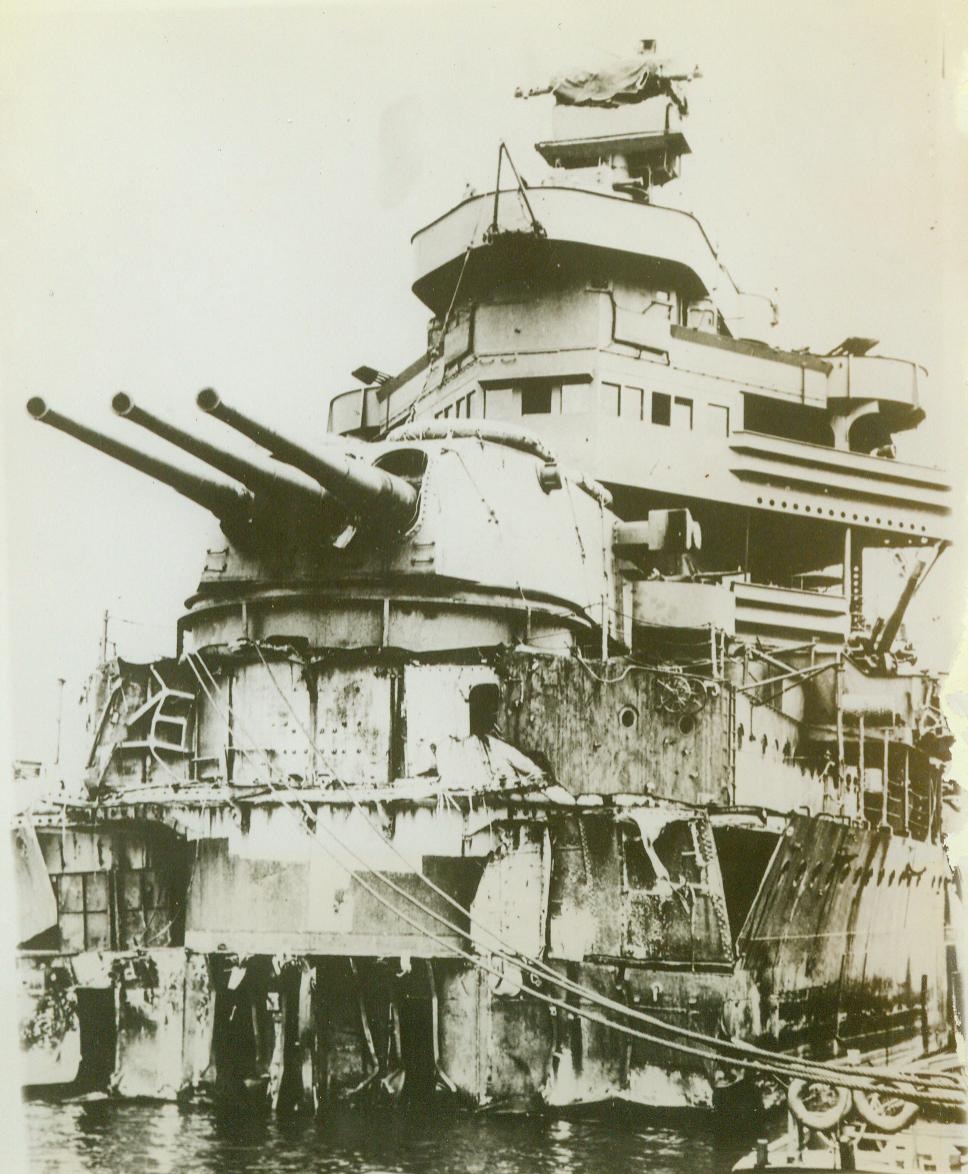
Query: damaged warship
point(528, 741)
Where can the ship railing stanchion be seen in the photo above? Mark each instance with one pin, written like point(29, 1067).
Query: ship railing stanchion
point(887, 775)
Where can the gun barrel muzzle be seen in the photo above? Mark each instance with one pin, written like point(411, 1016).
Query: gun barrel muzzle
point(362, 488)
point(229, 504)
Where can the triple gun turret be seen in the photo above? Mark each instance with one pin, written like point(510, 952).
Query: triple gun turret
point(332, 487)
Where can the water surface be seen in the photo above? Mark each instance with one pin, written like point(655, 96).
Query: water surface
point(141, 1138)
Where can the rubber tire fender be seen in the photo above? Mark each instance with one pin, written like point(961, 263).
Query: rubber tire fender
point(868, 1109)
point(821, 1119)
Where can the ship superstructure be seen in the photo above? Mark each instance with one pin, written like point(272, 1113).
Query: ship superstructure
point(527, 738)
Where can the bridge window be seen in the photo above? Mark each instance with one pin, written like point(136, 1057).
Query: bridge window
point(669, 411)
point(465, 407)
point(791, 421)
point(661, 408)
point(531, 397)
point(499, 403)
point(575, 398)
point(682, 413)
point(536, 399)
point(611, 394)
point(630, 406)
point(715, 419)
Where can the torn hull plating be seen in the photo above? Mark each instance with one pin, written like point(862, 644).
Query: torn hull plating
point(311, 993)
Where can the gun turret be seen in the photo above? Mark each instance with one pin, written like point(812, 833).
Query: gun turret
point(360, 487)
point(277, 486)
point(232, 506)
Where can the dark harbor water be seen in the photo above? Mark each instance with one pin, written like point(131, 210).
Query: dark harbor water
point(121, 1138)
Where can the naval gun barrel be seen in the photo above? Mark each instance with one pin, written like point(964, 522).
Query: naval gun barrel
point(230, 505)
point(362, 488)
point(885, 633)
point(275, 485)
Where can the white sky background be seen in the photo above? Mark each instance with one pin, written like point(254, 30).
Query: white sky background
point(225, 197)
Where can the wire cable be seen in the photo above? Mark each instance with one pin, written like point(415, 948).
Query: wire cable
point(532, 965)
point(538, 969)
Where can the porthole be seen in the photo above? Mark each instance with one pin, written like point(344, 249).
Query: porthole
point(628, 716)
point(687, 723)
